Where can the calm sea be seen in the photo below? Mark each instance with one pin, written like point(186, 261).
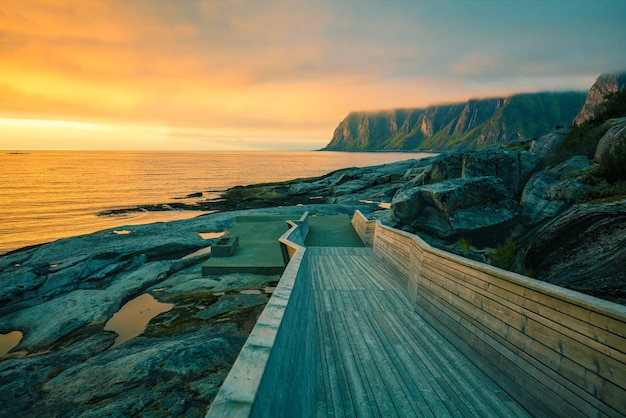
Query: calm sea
point(47, 195)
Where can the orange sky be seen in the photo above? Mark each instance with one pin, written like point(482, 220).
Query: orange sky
point(161, 74)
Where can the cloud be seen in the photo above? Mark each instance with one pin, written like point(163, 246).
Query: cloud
point(237, 66)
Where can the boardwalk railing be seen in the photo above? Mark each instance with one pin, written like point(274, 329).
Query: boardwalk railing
point(556, 351)
point(275, 372)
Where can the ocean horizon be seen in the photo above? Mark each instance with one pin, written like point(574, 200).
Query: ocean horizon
point(48, 195)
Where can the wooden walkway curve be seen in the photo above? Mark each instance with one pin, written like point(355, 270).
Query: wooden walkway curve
point(378, 357)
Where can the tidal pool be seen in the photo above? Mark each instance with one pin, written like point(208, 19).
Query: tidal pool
point(132, 318)
point(211, 235)
point(206, 250)
point(9, 341)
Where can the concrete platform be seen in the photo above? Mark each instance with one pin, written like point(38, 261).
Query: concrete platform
point(332, 231)
point(258, 250)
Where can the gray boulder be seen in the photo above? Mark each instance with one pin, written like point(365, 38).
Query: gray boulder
point(546, 145)
point(614, 137)
point(584, 249)
point(550, 192)
point(451, 206)
point(350, 187)
point(513, 168)
point(299, 189)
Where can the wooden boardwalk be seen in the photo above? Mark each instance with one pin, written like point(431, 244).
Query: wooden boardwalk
point(378, 357)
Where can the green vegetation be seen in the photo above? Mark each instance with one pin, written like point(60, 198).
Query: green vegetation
point(583, 140)
point(614, 106)
point(603, 192)
point(473, 124)
point(465, 245)
point(504, 255)
point(535, 114)
point(613, 165)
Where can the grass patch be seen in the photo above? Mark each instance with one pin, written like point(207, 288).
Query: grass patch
point(613, 165)
point(504, 255)
point(602, 191)
point(582, 140)
point(465, 245)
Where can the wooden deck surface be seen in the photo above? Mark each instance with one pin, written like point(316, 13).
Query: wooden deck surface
point(378, 357)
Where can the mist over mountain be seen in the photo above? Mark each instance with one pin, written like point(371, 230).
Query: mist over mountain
point(473, 124)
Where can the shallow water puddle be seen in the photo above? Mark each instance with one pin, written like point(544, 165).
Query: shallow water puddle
point(132, 318)
point(9, 341)
point(211, 235)
point(250, 292)
point(206, 250)
point(201, 251)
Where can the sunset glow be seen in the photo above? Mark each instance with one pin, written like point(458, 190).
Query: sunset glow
point(109, 74)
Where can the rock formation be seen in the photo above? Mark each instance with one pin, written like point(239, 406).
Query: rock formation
point(60, 296)
point(605, 84)
point(585, 250)
point(612, 140)
point(476, 123)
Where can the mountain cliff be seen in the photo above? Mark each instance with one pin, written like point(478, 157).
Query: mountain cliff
point(604, 85)
point(473, 124)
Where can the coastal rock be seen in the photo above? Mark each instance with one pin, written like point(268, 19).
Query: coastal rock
point(349, 187)
point(300, 189)
point(163, 375)
point(550, 192)
point(60, 296)
point(448, 207)
point(546, 145)
point(604, 84)
point(513, 168)
point(585, 250)
point(614, 138)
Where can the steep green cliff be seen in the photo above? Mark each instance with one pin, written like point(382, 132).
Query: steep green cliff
point(472, 124)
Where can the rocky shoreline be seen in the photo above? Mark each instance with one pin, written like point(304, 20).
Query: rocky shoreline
point(502, 206)
point(60, 295)
point(548, 208)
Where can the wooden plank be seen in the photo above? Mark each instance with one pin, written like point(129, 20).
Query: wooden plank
point(342, 394)
point(483, 392)
point(370, 357)
point(362, 394)
point(596, 336)
point(439, 355)
point(521, 322)
point(554, 299)
point(323, 390)
point(414, 377)
point(551, 347)
point(492, 362)
point(334, 402)
point(482, 340)
point(396, 402)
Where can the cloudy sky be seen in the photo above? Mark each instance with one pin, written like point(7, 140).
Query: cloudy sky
point(265, 74)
